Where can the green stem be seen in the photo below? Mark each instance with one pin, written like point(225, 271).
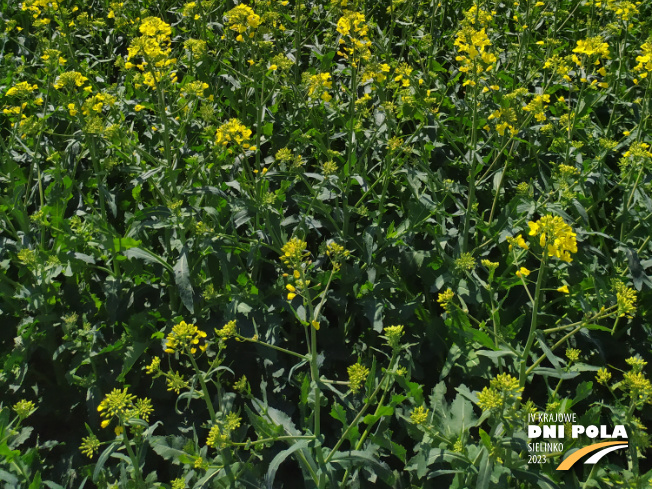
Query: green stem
point(599, 315)
point(314, 376)
point(355, 421)
point(132, 457)
point(629, 201)
point(348, 170)
point(207, 397)
point(554, 347)
point(472, 172)
point(274, 347)
point(273, 439)
point(533, 323)
point(358, 445)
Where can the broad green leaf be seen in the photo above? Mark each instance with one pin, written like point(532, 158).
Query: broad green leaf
point(182, 278)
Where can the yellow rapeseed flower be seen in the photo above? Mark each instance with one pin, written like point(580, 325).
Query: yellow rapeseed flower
point(419, 415)
point(357, 375)
point(522, 272)
point(555, 236)
point(183, 337)
point(21, 89)
point(233, 132)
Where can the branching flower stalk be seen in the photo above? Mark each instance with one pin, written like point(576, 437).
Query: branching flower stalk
point(350, 150)
point(132, 456)
point(363, 410)
point(204, 388)
point(534, 321)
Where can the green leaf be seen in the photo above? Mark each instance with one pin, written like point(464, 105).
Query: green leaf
point(366, 458)
point(36, 481)
point(462, 416)
point(486, 439)
point(548, 352)
point(582, 391)
point(382, 411)
point(121, 244)
point(484, 470)
point(338, 413)
point(147, 256)
point(131, 356)
point(103, 458)
point(279, 459)
point(182, 278)
point(161, 445)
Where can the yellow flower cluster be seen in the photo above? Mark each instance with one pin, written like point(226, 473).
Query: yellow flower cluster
point(176, 382)
point(233, 132)
point(502, 389)
point(195, 88)
point(228, 330)
point(474, 57)
point(393, 334)
point(537, 105)
point(419, 415)
point(481, 17)
point(555, 236)
point(445, 297)
point(573, 354)
point(294, 257)
point(123, 405)
point(375, 71)
point(90, 445)
point(637, 363)
point(37, 6)
point(154, 367)
point(70, 79)
point(491, 265)
point(490, 399)
point(21, 89)
point(518, 241)
point(625, 298)
point(97, 102)
point(623, 9)
point(318, 86)
point(294, 254)
point(154, 47)
point(220, 434)
point(24, 408)
point(195, 47)
point(402, 74)
point(53, 56)
point(638, 153)
point(593, 46)
point(505, 120)
point(560, 66)
point(155, 28)
point(242, 18)
point(644, 60)
point(183, 337)
point(357, 375)
point(603, 376)
point(638, 386)
point(336, 252)
point(465, 262)
point(354, 38)
point(190, 10)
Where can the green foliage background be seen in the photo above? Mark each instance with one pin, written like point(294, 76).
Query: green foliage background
point(421, 137)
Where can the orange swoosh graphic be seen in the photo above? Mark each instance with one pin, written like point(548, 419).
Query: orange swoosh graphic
point(568, 463)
